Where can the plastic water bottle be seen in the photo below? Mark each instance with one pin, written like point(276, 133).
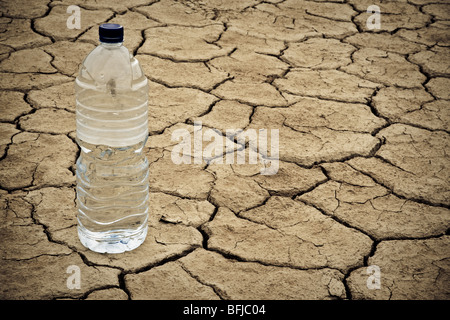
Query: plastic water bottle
point(112, 128)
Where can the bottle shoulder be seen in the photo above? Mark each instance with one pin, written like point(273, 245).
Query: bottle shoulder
point(105, 65)
point(107, 53)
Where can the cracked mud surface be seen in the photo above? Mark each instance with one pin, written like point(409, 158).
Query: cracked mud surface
point(363, 119)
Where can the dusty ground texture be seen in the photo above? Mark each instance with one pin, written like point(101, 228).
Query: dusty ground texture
point(363, 118)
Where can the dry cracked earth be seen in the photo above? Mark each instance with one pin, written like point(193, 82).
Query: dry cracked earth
point(363, 118)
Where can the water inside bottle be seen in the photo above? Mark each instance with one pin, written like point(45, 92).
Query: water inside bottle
point(112, 197)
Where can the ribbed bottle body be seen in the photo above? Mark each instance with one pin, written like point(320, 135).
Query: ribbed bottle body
point(112, 197)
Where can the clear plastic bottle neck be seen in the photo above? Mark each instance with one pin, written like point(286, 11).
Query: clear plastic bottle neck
point(111, 45)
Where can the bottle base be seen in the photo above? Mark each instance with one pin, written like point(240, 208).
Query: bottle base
point(112, 242)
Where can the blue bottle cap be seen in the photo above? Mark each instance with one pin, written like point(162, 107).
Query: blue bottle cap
point(110, 33)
